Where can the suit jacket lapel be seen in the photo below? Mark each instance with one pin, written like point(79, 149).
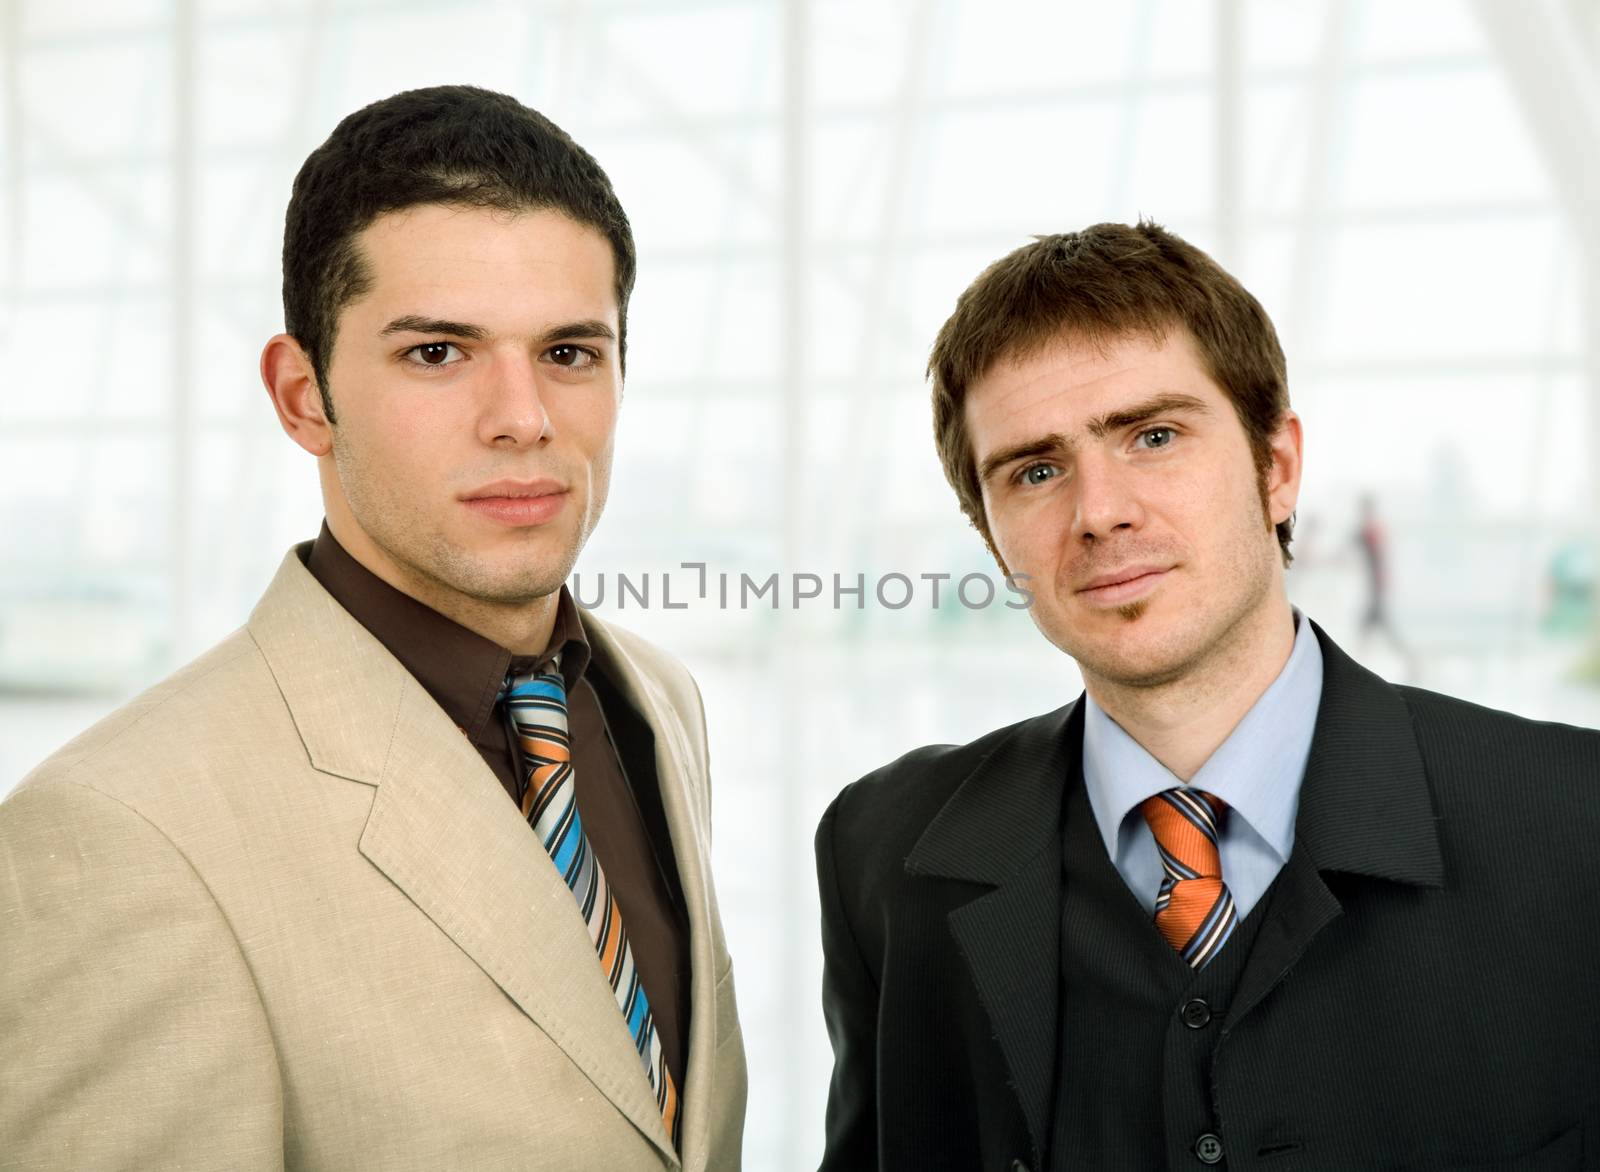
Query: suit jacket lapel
point(1364, 810)
point(442, 831)
point(677, 768)
point(1002, 829)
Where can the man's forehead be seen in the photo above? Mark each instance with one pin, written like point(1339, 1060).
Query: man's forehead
point(1077, 380)
point(447, 262)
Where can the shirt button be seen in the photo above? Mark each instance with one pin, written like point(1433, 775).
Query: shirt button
point(1209, 1148)
point(1196, 1014)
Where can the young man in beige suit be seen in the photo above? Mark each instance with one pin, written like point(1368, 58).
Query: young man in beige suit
point(412, 871)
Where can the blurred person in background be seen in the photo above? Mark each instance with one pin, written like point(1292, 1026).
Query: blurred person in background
point(1371, 540)
point(1242, 899)
point(411, 872)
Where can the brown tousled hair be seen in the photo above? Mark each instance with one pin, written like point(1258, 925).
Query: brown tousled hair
point(1098, 286)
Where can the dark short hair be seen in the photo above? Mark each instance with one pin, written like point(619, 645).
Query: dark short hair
point(1098, 286)
point(450, 144)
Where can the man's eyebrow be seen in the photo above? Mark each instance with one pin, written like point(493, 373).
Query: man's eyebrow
point(568, 331)
point(1097, 428)
point(1043, 446)
point(1167, 404)
point(565, 332)
point(413, 324)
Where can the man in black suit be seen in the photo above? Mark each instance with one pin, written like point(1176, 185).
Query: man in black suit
point(1243, 903)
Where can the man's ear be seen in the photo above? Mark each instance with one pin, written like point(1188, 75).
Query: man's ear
point(291, 383)
point(1283, 473)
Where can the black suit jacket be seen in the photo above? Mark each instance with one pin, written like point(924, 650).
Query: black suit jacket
point(1424, 992)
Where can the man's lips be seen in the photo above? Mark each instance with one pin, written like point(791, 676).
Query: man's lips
point(517, 503)
point(542, 486)
point(1124, 584)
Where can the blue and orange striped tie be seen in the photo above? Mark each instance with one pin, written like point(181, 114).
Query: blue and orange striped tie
point(1194, 908)
point(537, 705)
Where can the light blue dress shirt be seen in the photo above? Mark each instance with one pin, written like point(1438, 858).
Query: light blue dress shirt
point(1256, 771)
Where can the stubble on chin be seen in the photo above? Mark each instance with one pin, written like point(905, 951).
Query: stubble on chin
point(1131, 661)
point(514, 585)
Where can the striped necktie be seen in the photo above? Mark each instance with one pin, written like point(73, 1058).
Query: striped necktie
point(537, 705)
point(1194, 908)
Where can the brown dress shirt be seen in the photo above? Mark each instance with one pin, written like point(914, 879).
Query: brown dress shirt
point(613, 759)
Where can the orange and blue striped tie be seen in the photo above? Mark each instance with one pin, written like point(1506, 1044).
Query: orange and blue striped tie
point(537, 705)
point(1194, 908)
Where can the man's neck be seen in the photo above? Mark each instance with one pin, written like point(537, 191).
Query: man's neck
point(1182, 722)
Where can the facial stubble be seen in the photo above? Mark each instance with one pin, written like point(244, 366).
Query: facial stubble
point(433, 565)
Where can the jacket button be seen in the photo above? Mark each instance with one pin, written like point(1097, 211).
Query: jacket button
point(1209, 1148)
point(1196, 1014)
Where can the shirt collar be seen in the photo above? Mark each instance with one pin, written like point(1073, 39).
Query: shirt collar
point(460, 669)
point(1256, 771)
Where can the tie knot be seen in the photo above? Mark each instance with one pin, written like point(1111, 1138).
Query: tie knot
point(546, 681)
point(536, 702)
point(1184, 822)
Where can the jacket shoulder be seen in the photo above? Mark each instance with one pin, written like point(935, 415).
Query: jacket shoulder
point(173, 719)
point(1476, 753)
point(882, 815)
point(1459, 728)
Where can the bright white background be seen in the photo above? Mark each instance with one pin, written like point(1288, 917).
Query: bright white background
point(811, 183)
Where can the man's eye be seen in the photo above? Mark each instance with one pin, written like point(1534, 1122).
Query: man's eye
point(1157, 437)
point(1039, 473)
point(574, 356)
point(434, 354)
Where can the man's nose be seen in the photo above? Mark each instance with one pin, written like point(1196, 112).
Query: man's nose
point(515, 412)
point(1105, 500)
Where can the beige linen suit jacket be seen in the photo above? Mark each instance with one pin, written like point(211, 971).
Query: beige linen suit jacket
point(277, 913)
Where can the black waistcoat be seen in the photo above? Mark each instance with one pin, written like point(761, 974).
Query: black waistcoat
point(1138, 1026)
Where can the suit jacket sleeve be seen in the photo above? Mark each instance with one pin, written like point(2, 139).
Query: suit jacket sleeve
point(850, 1008)
point(131, 1033)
